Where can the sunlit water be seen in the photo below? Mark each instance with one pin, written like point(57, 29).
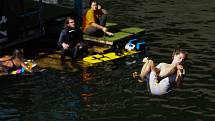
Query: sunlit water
point(111, 93)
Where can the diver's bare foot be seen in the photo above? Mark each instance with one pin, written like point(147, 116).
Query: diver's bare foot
point(109, 33)
point(136, 76)
point(141, 81)
point(145, 60)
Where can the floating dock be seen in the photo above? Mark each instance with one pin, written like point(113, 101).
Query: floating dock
point(119, 37)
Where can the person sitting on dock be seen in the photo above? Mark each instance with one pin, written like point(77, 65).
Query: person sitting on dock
point(70, 39)
point(94, 20)
point(12, 63)
point(163, 77)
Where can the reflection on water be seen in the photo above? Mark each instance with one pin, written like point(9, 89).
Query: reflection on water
point(106, 91)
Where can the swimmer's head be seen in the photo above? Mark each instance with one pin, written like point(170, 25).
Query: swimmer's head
point(179, 56)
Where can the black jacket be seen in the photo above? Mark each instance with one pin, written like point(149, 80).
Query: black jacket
point(70, 36)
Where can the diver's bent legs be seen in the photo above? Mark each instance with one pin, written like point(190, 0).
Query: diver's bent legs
point(146, 68)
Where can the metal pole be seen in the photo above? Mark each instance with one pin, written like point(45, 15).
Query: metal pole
point(40, 17)
point(78, 12)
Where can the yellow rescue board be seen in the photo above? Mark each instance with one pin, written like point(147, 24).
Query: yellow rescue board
point(98, 58)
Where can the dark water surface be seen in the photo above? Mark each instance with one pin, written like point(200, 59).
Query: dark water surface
point(112, 94)
point(188, 23)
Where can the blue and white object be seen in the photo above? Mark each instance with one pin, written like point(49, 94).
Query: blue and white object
point(129, 46)
point(133, 41)
point(140, 46)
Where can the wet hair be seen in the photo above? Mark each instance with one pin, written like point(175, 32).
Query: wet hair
point(18, 53)
point(67, 21)
point(177, 51)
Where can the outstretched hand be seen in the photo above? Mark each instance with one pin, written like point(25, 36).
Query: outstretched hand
point(109, 33)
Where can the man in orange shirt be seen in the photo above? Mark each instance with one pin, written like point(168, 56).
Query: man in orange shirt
point(94, 22)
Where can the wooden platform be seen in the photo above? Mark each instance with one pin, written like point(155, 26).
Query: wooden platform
point(110, 24)
point(132, 30)
point(108, 40)
point(119, 37)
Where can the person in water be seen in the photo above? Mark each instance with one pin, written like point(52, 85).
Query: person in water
point(163, 77)
point(71, 39)
point(12, 63)
point(94, 20)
